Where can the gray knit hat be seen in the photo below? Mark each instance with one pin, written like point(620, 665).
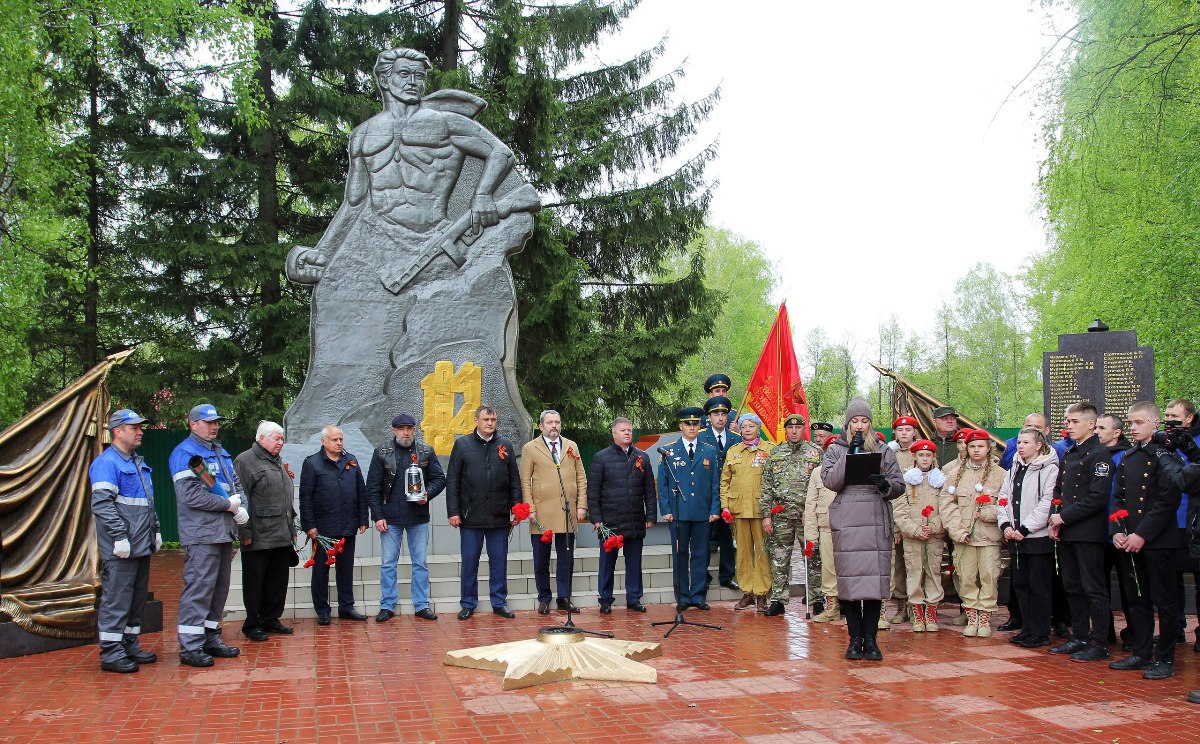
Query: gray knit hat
point(858, 407)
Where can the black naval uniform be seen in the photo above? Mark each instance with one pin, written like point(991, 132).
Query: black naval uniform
point(1151, 500)
point(1084, 485)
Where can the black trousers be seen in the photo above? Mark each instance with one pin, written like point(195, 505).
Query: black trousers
point(343, 570)
point(1060, 611)
point(1082, 566)
point(1155, 587)
point(1031, 579)
point(1112, 562)
point(564, 550)
point(265, 575)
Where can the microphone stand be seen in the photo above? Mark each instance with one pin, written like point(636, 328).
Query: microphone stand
point(570, 538)
point(679, 619)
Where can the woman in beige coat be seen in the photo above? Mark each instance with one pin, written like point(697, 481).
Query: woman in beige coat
point(741, 487)
point(968, 509)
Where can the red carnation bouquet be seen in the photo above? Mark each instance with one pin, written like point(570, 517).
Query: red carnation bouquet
point(808, 549)
point(333, 548)
point(610, 540)
point(521, 511)
point(1118, 518)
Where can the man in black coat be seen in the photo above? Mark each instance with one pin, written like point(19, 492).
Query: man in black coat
point(396, 516)
point(1149, 538)
point(622, 497)
point(333, 504)
point(482, 486)
point(1081, 527)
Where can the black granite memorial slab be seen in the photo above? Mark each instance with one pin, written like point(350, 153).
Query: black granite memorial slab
point(1107, 368)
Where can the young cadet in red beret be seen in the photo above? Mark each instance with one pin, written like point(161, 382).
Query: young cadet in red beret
point(922, 534)
point(968, 508)
point(904, 429)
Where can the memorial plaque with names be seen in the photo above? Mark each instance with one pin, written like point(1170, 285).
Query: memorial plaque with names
point(1107, 369)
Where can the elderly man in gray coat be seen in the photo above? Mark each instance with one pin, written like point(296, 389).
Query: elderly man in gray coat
point(860, 520)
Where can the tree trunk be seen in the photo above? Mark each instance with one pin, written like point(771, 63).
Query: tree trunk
point(267, 227)
point(90, 342)
point(451, 28)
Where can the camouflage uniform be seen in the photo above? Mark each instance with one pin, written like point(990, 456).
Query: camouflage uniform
point(785, 483)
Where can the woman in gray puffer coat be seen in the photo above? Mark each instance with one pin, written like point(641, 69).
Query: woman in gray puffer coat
point(860, 519)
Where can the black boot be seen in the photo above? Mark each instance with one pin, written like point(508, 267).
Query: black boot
point(870, 649)
point(854, 652)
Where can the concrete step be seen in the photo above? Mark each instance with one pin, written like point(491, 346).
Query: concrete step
point(444, 583)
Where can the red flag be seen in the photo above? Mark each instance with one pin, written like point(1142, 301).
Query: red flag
point(775, 389)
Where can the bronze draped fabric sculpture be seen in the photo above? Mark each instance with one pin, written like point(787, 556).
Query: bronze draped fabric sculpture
point(49, 577)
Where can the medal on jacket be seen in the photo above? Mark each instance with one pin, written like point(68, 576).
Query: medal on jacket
point(414, 482)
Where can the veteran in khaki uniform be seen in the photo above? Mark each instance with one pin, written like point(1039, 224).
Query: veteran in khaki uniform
point(784, 488)
point(741, 487)
point(554, 484)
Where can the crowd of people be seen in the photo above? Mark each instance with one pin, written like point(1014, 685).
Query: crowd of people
point(875, 519)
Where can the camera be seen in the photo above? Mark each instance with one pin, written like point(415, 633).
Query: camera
point(1172, 435)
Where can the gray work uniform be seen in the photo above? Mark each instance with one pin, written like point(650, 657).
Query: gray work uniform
point(207, 531)
point(123, 505)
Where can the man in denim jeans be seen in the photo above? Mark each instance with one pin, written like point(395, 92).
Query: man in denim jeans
point(395, 515)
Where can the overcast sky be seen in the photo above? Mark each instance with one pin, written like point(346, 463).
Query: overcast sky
point(863, 145)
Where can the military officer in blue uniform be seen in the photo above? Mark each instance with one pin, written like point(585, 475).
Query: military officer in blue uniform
point(717, 433)
point(127, 533)
point(689, 498)
point(209, 499)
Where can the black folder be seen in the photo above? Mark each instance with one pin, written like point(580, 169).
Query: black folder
point(859, 467)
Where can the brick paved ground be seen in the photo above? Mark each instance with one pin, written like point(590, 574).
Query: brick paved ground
point(759, 680)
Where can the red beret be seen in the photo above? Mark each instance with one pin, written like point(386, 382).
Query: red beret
point(961, 435)
point(905, 421)
point(922, 445)
point(978, 435)
point(881, 437)
point(829, 440)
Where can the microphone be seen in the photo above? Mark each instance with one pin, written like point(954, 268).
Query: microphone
point(664, 451)
point(856, 443)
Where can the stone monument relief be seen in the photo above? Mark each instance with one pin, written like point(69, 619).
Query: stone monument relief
point(413, 306)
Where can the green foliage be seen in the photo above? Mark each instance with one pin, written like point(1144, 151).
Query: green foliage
point(735, 268)
point(830, 376)
point(1121, 185)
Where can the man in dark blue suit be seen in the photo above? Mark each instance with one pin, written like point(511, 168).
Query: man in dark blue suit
point(689, 498)
point(717, 433)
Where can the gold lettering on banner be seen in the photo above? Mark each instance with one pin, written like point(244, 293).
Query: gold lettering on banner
point(443, 419)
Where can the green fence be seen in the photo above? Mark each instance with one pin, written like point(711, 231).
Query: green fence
point(157, 445)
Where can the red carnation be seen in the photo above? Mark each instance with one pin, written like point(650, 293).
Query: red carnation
point(727, 516)
point(1118, 515)
point(331, 560)
point(983, 499)
point(620, 541)
point(1056, 502)
point(927, 511)
point(340, 546)
point(777, 509)
point(547, 536)
point(309, 563)
point(1003, 502)
point(521, 511)
point(808, 549)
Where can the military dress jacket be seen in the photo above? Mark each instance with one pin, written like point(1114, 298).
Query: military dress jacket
point(1084, 485)
point(699, 480)
point(1149, 496)
point(741, 479)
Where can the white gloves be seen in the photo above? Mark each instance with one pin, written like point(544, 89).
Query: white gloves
point(241, 516)
point(157, 541)
point(235, 503)
point(121, 548)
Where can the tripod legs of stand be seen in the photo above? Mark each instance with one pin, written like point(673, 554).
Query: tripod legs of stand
point(679, 619)
point(571, 624)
